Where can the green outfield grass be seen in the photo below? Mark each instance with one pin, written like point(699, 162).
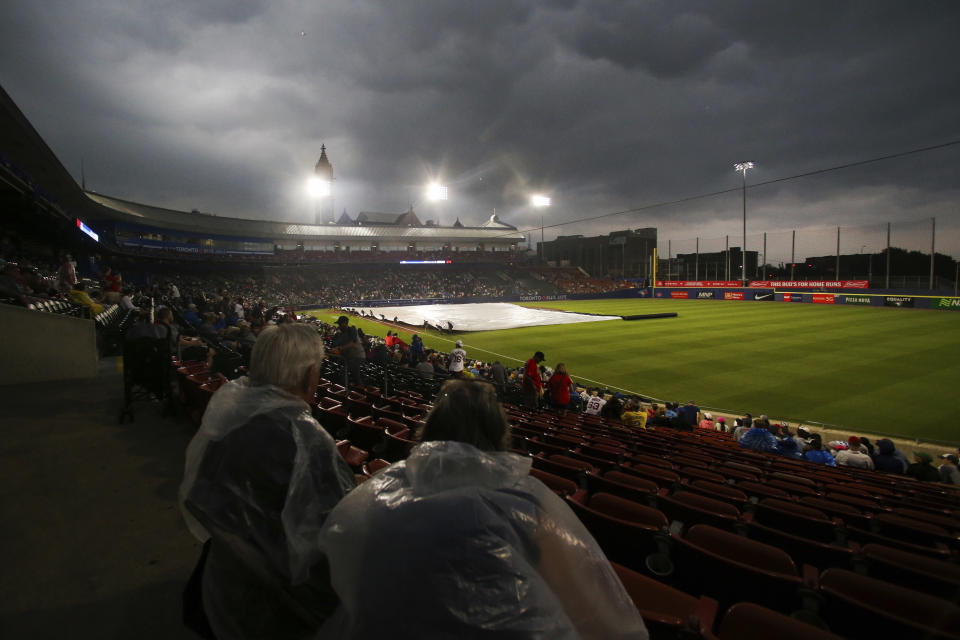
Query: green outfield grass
point(881, 370)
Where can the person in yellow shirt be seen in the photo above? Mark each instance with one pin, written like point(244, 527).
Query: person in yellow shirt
point(79, 295)
point(634, 416)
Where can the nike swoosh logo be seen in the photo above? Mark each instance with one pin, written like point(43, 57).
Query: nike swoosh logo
point(762, 296)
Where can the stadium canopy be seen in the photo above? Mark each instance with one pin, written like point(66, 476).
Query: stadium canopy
point(146, 215)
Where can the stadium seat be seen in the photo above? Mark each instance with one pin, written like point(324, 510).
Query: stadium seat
point(912, 570)
point(691, 509)
point(626, 531)
point(695, 473)
point(748, 621)
point(372, 467)
point(797, 518)
point(805, 550)
point(912, 530)
point(640, 460)
point(719, 491)
point(352, 455)
point(941, 519)
point(663, 477)
point(848, 513)
point(759, 490)
point(398, 442)
point(731, 568)
point(623, 485)
point(560, 486)
point(570, 472)
point(667, 612)
point(864, 537)
point(861, 606)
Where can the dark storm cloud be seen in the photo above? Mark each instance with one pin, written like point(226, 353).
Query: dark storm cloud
point(222, 106)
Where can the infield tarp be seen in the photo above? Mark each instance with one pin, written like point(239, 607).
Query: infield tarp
point(479, 317)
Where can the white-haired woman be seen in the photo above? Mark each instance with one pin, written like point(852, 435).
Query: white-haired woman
point(261, 476)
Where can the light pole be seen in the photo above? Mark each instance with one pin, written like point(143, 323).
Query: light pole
point(435, 193)
point(742, 167)
point(540, 201)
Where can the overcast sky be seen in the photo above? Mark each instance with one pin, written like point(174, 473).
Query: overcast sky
point(222, 106)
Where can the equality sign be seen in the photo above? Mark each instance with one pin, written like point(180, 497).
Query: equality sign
point(898, 301)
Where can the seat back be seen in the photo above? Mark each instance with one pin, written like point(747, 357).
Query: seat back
point(748, 621)
point(627, 510)
point(749, 552)
point(862, 606)
point(560, 486)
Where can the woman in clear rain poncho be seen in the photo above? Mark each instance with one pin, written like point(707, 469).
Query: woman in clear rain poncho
point(459, 541)
point(261, 476)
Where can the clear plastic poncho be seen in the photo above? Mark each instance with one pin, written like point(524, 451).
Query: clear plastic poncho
point(455, 542)
point(269, 485)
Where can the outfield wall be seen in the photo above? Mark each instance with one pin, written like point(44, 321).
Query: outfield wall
point(862, 297)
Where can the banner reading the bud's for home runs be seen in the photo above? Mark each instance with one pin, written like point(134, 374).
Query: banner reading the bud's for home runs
point(810, 284)
point(699, 283)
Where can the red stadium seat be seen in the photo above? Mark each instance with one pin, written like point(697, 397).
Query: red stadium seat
point(560, 486)
point(748, 621)
point(666, 611)
point(626, 531)
point(860, 606)
point(731, 568)
point(691, 508)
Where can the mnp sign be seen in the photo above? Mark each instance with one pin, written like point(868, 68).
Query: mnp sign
point(947, 303)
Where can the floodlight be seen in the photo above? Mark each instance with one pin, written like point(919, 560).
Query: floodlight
point(742, 167)
point(436, 191)
point(318, 187)
point(540, 201)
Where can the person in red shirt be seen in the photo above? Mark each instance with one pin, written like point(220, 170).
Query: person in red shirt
point(532, 387)
point(111, 286)
point(560, 386)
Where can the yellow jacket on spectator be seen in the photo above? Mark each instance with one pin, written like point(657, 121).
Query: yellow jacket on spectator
point(635, 419)
point(81, 297)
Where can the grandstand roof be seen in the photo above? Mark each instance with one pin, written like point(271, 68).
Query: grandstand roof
point(146, 215)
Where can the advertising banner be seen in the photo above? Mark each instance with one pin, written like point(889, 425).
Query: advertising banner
point(733, 295)
point(823, 298)
point(861, 300)
point(679, 294)
point(946, 303)
point(810, 284)
point(793, 297)
point(705, 295)
point(768, 296)
point(898, 301)
point(700, 283)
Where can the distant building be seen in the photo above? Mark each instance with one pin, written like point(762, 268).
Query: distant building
point(621, 254)
point(718, 265)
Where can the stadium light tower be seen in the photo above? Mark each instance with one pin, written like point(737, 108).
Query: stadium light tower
point(436, 192)
point(540, 201)
point(741, 168)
